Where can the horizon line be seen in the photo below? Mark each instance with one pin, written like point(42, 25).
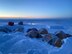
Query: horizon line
point(31, 17)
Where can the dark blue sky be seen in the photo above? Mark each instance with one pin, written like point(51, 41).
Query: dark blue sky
point(35, 8)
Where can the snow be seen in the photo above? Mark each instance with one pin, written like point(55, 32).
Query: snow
point(18, 43)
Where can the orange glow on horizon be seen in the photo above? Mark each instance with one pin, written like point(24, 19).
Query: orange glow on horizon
point(24, 17)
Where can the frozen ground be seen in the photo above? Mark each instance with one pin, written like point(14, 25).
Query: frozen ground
point(18, 43)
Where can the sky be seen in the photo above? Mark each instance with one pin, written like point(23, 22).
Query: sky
point(35, 8)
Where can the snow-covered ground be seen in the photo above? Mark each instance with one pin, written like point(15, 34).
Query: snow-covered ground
point(18, 43)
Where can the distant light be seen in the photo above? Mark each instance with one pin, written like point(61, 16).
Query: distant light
point(48, 26)
point(33, 23)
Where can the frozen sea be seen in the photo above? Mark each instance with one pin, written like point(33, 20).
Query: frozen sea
point(18, 43)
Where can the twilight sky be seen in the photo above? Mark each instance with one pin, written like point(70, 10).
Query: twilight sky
point(35, 8)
